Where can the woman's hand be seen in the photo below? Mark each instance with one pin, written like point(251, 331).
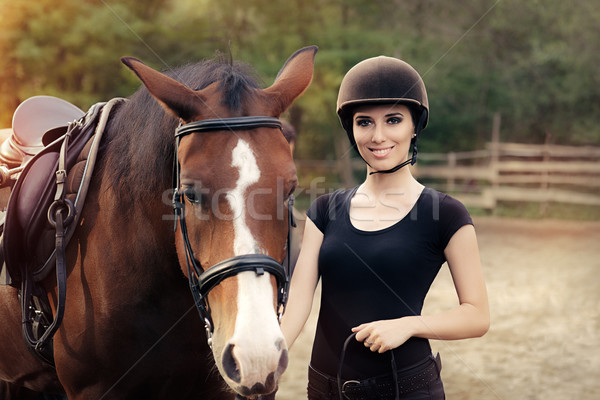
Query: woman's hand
point(384, 335)
point(471, 318)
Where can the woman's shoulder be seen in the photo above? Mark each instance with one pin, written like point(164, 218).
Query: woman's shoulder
point(442, 202)
point(442, 209)
point(335, 198)
point(329, 206)
point(448, 213)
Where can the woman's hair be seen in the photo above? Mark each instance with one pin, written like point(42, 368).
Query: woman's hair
point(288, 131)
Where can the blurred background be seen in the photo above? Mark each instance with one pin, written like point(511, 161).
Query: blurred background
point(514, 133)
point(497, 72)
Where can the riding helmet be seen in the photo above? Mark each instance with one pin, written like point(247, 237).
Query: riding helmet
point(382, 80)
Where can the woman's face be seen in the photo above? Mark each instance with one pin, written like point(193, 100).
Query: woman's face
point(383, 133)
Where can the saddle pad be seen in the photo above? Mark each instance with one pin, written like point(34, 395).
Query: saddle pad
point(29, 239)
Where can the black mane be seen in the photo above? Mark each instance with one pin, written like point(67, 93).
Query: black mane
point(139, 140)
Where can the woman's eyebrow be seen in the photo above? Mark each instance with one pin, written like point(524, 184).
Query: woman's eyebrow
point(394, 114)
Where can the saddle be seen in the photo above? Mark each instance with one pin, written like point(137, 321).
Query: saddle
point(32, 118)
point(44, 206)
point(28, 238)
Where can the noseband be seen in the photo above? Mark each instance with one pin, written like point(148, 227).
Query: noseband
point(202, 280)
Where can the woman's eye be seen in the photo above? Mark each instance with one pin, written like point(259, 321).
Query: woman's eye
point(363, 122)
point(394, 120)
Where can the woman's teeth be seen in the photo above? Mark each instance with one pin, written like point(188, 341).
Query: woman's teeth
point(381, 152)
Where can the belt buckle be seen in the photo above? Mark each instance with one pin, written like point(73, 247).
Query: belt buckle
point(355, 382)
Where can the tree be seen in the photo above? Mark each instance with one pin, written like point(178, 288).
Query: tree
point(533, 62)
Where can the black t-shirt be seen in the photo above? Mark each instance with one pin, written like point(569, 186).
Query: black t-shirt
point(373, 275)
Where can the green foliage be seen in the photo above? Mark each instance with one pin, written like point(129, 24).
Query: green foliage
point(533, 62)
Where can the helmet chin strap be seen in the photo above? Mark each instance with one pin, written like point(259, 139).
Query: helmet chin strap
point(410, 161)
point(413, 159)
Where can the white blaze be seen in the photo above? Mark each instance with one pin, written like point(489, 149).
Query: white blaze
point(243, 159)
point(256, 327)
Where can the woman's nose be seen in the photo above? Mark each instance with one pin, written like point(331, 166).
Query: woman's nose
point(377, 135)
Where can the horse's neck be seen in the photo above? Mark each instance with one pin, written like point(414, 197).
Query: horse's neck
point(141, 236)
point(131, 204)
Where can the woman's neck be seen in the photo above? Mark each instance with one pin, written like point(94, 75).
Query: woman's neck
point(401, 181)
point(384, 199)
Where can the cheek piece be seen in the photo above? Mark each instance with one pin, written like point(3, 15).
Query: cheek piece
point(413, 142)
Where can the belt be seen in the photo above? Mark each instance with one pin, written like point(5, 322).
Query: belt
point(380, 387)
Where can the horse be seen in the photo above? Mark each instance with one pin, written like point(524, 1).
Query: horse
point(190, 191)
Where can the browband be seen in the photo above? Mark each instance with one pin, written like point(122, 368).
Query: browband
point(235, 123)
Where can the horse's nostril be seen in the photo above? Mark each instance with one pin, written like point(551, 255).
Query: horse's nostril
point(280, 344)
point(283, 362)
point(230, 364)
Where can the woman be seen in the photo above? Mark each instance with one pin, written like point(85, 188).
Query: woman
point(378, 247)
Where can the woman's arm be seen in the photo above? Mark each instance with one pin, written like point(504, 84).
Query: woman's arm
point(303, 285)
point(470, 319)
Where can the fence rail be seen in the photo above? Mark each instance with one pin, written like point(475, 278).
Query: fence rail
point(500, 172)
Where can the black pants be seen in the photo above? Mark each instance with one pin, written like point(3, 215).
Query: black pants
point(418, 382)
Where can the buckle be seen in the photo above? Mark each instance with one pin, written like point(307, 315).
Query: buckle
point(354, 382)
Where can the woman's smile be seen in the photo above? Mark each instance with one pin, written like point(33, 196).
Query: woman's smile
point(381, 152)
point(383, 134)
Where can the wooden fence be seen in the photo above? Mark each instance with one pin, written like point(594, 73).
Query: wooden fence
point(501, 172)
point(517, 172)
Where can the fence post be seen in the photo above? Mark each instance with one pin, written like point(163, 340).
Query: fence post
point(544, 180)
point(495, 158)
point(451, 182)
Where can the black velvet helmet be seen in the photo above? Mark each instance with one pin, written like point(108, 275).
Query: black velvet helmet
point(382, 80)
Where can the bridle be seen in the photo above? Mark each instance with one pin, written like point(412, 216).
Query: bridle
point(202, 280)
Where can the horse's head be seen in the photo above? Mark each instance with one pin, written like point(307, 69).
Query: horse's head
point(234, 178)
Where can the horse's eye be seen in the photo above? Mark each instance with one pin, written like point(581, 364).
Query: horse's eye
point(191, 195)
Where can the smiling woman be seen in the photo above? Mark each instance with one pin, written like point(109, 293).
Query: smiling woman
point(377, 248)
point(383, 135)
point(383, 81)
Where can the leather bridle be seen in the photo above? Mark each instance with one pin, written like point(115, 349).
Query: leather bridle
point(202, 280)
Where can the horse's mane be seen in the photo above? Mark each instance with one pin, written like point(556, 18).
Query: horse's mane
point(139, 143)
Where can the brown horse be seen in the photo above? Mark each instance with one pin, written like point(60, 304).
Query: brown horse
point(130, 326)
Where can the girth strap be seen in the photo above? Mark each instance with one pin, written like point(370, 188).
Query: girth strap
point(60, 214)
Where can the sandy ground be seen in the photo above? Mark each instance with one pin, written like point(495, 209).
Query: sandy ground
point(543, 279)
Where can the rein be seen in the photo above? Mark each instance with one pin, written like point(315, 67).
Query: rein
point(342, 385)
point(201, 280)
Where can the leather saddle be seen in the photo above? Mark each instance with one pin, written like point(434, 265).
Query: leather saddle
point(31, 120)
point(28, 240)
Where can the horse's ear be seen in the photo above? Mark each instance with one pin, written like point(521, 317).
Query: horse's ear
point(293, 78)
point(175, 97)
